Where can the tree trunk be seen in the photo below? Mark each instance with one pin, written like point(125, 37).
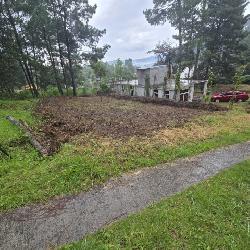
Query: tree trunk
point(180, 27)
point(197, 56)
point(43, 151)
point(71, 71)
point(62, 62)
point(27, 78)
point(34, 58)
point(4, 151)
point(60, 46)
point(20, 50)
point(52, 60)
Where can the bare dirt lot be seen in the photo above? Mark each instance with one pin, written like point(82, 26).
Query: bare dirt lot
point(106, 117)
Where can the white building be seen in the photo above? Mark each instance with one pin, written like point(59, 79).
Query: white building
point(156, 82)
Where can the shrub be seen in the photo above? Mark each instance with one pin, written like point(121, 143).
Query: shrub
point(223, 80)
point(18, 95)
point(50, 91)
point(245, 79)
point(247, 69)
point(104, 88)
point(22, 95)
point(94, 91)
point(82, 91)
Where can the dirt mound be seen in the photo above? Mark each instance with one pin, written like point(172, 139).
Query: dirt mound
point(107, 117)
point(191, 105)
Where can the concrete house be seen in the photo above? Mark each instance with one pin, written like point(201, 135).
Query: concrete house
point(159, 82)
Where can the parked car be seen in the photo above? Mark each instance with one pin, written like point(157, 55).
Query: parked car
point(236, 96)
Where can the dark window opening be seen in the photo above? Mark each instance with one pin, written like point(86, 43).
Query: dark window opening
point(184, 95)
point(167, 94)
point(156, 93)
point(132, 91)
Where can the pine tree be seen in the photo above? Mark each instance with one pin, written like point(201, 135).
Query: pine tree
point(224, 31)
point(171, 10)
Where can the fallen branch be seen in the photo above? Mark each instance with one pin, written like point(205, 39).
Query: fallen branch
point(4, 151)
point(43, 151)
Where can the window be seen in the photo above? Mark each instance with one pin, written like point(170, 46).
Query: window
point(167, 95)
point(184, 95)
point(156, 93)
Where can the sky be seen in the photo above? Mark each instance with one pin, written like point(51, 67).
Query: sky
point(128, 32)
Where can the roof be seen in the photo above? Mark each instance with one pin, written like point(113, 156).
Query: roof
point(152, 67)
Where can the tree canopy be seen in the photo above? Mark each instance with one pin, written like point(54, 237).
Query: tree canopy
point(45, 41)
point(209, 33)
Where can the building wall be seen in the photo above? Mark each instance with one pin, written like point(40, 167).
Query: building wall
point(156, 75)
point(139, 91)
point(141, 74)
point(122, 89)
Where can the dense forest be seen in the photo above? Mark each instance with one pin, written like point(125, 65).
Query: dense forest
point(212, 35)
point(45, 42)
point(51, 43)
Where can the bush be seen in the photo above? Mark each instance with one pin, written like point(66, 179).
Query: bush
point(19, 95)
point(82, 91)
point(104, 88)
point(24, 94)
point(223, 80)
point(94, 91)
point(247, 69)
point(50, 91)
point(245, 79)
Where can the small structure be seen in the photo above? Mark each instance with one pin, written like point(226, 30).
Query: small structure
point(159, 82)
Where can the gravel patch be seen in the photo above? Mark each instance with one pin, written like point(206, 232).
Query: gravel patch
point(69, 219)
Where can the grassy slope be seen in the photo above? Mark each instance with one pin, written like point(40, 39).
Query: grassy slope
point(210, 215)
point(28, 178)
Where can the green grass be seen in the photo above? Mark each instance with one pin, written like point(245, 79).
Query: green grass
point(20, 110)
point(27, 178)
point(211, 215)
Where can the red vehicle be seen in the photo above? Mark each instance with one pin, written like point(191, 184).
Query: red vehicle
point(236, 96)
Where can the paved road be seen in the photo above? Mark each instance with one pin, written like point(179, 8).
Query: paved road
point(69, 219)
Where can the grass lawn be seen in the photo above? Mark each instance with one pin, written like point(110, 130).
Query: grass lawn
point(86, 160)
point(211, 215)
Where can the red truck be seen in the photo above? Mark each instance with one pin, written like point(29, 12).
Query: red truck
point(237, 96)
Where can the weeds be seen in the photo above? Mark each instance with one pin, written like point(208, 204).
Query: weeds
point(89, 160)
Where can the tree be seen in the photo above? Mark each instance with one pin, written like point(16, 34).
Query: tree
point(100, 70)
point(119, 70)
point(238, 77)
point(211, 79)
point(171, 10)
point(74, 17)
point(46, 37)
point(166, 53)
point(129, 70)
point(210, 33)
point(177, 85)
point(224, 31)
point(14, 15)
point(246, 44)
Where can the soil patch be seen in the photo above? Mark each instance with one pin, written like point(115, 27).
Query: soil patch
point(106, 117)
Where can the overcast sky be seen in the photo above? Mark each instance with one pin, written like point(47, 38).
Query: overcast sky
point(128, 32)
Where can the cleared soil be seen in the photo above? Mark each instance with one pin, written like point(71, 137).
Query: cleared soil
point(64, 118)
